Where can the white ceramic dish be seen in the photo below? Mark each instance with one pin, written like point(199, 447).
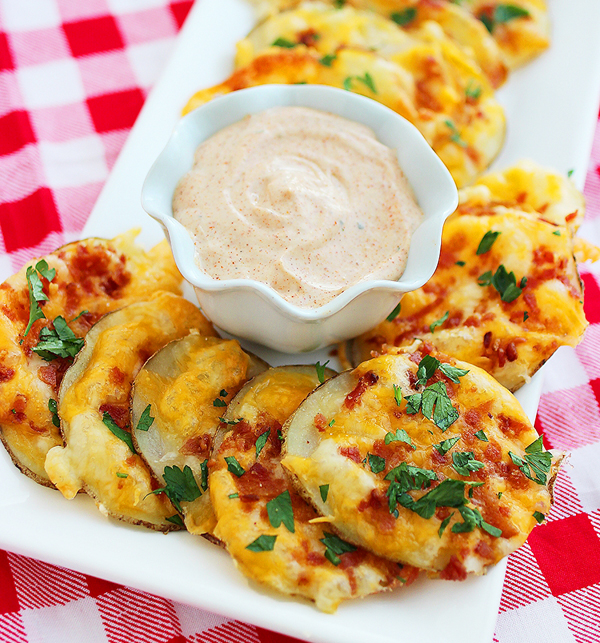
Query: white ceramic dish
point(552, 107)
point(268, 318)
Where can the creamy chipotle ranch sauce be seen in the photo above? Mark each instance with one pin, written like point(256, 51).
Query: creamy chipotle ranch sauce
point(305, 201)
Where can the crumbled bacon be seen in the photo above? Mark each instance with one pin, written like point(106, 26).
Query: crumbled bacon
point(6, 373)
point(352, 453)
point(118, 412)
point(199, 445)
point(320, 422)
point(454, 570)
point(364, 382)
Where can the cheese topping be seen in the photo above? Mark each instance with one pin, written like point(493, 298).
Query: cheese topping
point(304, 201)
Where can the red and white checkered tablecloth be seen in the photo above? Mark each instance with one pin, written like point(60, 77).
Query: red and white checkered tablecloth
point(73, 77)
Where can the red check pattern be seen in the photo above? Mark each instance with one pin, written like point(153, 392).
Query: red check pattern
point(73, 77)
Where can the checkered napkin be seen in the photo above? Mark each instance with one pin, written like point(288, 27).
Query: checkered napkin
point(73, 76)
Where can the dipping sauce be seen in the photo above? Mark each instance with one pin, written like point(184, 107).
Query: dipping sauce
point(305, 201)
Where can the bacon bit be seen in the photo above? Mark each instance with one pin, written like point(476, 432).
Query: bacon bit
point(352, 453)
point(501, 357)
point(487, 339)
point(511, 352)
point(118, 412)
point(259, 483)
point(493, 453)
point(571, 216)
point(308, 37)
point(510, 426)
point(376, 505)
point(425, 99)
point(484, 550)
point(454, 570)
point(352, 558)
point(412, 379)
point(447, 259)
point(472, 321)
point(6, 374)
point(116, 375)
point(364, 382)
point(531, 302)
point(54, 372)
point(454, 321)
point(315, 559)
point(542, 255)
point(320, 422)
point(199, 445)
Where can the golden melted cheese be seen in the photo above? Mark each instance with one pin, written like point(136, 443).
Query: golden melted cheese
point(100, 382)
point(183, 385)
point(360, 409)
point(510, 340)
point(297, 563)
point(93, 275)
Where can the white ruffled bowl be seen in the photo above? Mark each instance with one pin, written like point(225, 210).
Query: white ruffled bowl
point(253, 310)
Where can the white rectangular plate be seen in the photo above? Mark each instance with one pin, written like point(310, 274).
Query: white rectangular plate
point(551, 110)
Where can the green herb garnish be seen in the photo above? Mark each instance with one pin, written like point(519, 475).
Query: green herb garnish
point(438, 322)
point(117, 431)
point(280, 511)
point(146, 420)
point(321, 370)
point(404, 17)
point(234, 466)
point(180, 485)
point(261, 441)
point(324, 491)
point(481, 435)
point(335, 547)
point(536, 462)
point(443, 447)
point(504, 282)
point(53, 408)
point(328, 60)
point(262, 543)
point(397, 394)
point(539, 517)
point(283, 42)
point(487, 242)
point(394, 313)
point(464, 462)
point(400, 436)
point(377, 463)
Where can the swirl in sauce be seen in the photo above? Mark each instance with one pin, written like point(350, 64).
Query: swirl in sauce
point(307, 202)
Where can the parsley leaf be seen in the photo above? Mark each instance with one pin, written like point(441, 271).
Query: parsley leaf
point(262, 543)
point(485, 279)
point(376, 462)
point(234, 466)
point(394, 313)
point(443, 447)
point(53, 408)
point(146, 420)
point(231, 496)
point(121, 475)
point(464, 462)
point(261, 441)
point(117, 431)
point(328, 60)
point(487, 242)
point(507, 12)
point(536, 463)
point(176, 520)
point(460, 263)
point(204, 473)
point(473, 91)
point(324, 491)
point(280, 511)
point(455, 135)
point(427, 368)
point(472, 518)
point(404, 17)
point(222, 393)
point(36, 294)
point(444, 524)
point(482, 436)
point(219, 402)
point(230, 422)
point(525, 316)
point(539, 517)
point(504, 282)
point(334, 547)
point(556, 233)
point(321, 370)
point(283, 42)
point(400, 436)
point(436, 406)
point(438, 322)
point(368, 81)
point(42, 268)
point(413, 403)
point(453, 372)
point(449, 493)
point(179, 485)
point(397, 394)
point(59, 341)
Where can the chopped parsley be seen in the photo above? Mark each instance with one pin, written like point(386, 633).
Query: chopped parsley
point(556, 233)
point(426, 370)
point(443, 447)
point(502, 14)
point(472, 518)
point(234, 466)
point(539, 517)
point(404, 478)
point(397, 394)
point(36, 291)
point(400, 436)
point(437, 406)
point(504, 282)
point(487, 242)
point(453, 372)
point(377, 463)
point(231, 496)
point(53, 408)
point(455, 134)
point(117, 431)
point(204, 475)
point(283, 42)
point(438, 322)
point(473, 90)
point(444, 524)
point(219, 402)
point(328, 60)
point(404, 17)
point(464, 462)
point(332, 422)
point(81, 314)
point(59, 341)
point(324, 491)
point(570, 173)
point(146, 420)
point(525, 316)
point(230, 422)
point(536, 462)
point(460, 263)
point(175, 519)
point(366, 80)
point(122, 475)
point(338, 4)
point(180, 485)
point(394, 313)
point(262, 543)
point(335, 547)
point(481, 436)
point(261, 441)
point(280, 511)
point(42, 268)
point(321, 370)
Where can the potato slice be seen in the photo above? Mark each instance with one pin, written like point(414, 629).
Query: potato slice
point(93, 405)
point(249, 491)
point(511, 340)
point(428, 84)
point(176, 402)
point(382, 458)
point(93, 277)
point(327, 29)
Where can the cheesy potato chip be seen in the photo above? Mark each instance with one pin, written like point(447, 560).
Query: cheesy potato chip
point(274, 537)
point(177, 400)
point(428, 84)
point(506, 309)
point(99, 456)
point(428, 461)
point(73, 287)
point(318, 25)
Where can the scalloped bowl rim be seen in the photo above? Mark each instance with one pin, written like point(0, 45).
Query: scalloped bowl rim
point(256, 99)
